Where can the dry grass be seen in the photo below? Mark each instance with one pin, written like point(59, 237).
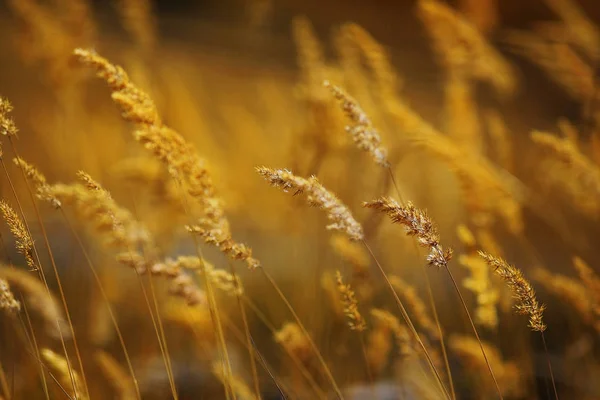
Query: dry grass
point(124, 281)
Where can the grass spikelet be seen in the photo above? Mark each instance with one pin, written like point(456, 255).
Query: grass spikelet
point(39, 300)
point(417, 224)
point(501, 144)
point(117, 377)
point(38, 181)
point(171, 148)
point(124, 233)
point(7, 125)
point(311, 59)
point(416, 305)
point(356, 322)
point(460, 45)
point(378, 59)
point(509, 375)
point(138, 20)
point(582, 32)
point(523, 292)
point(292, 338)
point(488, 192)
point(8, 303)
point(60, 365)
point(23, 240)
point(351, 252)
point(559, 61)
point(591, 281)
point(378, 348)
point(583, 175)
point(571, 291)
point(478, 282)
point(114, 224)
point(461, 111)
point(221, 279)
point(362, 131)
point(401, 334)
point(340, 216)
point(241, 390)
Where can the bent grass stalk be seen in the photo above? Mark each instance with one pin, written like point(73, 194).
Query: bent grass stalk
point(304, 332)
point(242, 338)
point(430, 296)
point(31, 340)
point(310, 379)
point(464, 305)
point(106, 300)
point(40, 269)
point(418, 224)
point(161, 331)
point(55, 269)
point(249, 340)
point(527, 303)
point(367, 139)
point(408, 321)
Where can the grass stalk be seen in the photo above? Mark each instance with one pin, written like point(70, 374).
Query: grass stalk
point(249, 341)
point(309, 378)
point(41, 269)
point(430, 297)
point(408, 321)
point(549, 365)
point(464, 305)
point(305, 332)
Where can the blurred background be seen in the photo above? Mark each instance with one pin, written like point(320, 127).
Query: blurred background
point(454, 88)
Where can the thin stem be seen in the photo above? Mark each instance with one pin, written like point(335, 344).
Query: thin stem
point(162, 334)
point(106, 300)
point(212, 303)
point(464, 304)
point(305, 332)
point(4, 383)
point(35, 347)
point(163, 337)
point(431, 299)
point(246, 331)
point(549, 365)
point(31, 340)
point(41, 270)
point(440, 331)
point(408, 321)
point(54, 267)
point(364, 353)
point(158, 336)
point(293, 357)
point(400, 197)
point(242, 338)
point(280, 388)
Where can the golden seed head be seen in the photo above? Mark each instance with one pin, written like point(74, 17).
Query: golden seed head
point(355, 319)
point(291, 337)
point(523, 292)
point(364, 135)
point(38, 180)
point(340, 216)
point(7, 299)
point(24, 242)
point(418, 224)
point(7, 126)
point(61, 366)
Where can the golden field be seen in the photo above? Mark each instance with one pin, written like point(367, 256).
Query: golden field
point(293, 200)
